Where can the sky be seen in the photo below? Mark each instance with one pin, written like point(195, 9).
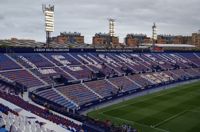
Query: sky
point(24, 18)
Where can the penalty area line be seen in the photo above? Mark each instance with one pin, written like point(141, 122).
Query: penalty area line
point(133, 122)
point(170, 118)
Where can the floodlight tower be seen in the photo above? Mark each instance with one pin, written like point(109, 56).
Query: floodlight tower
point(48, 11)
point(154, 34)
point(111, 27)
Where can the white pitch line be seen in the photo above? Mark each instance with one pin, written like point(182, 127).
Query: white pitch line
point(144, 99)
point(132, 122)
point(170, 118)
point(121, 106)
point(194, 111)
point(154, 126)
point(174, 116)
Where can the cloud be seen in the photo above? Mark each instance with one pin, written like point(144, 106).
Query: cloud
point(1, 17)
point(24, 18)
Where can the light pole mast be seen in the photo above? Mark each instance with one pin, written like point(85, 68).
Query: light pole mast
point(49, 21)
point(154, 35)
point(111, 27)
point(111, 30)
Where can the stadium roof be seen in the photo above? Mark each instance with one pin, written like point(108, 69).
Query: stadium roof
point(171, 45)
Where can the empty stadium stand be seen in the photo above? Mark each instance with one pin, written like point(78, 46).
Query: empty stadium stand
point(124, 83)
point(52, 95)
point(44, 113)
point(76, 79)
point(102, 87)
point(78, 93)
point(7, 64)
point(23, 77)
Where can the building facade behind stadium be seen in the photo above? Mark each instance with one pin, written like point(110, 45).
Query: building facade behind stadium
point(69, 37)
point(104, 39)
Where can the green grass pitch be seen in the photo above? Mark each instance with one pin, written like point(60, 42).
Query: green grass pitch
point(172, 110)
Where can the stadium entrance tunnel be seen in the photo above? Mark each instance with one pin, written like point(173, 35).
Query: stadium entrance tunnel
point(59, 79)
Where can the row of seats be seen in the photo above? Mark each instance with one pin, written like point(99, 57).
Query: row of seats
point(172, 75)
point(157, 78)
point(78, 93)
point(102, 87)
point(63, 59)
point(141, 81)
point(192, 57)
point(48, 76)
point(7, 64)
point(181, 73)
point(107, 63)
point(27, 58)
point(4, 109)
point(84, 93)
point(23, 77)
point(124, 83)
point(19, 123)
point(194, 72)
point(44, 113)
point(80, 72)
point(105, 69)
point(52, 95)
point(162, 61)
point(3, 87)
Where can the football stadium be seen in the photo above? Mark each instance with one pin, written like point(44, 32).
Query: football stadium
point(145, 84)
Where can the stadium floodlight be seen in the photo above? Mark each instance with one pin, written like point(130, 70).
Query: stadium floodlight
point(154, 34)
point(49, 21)
point(111, 27)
